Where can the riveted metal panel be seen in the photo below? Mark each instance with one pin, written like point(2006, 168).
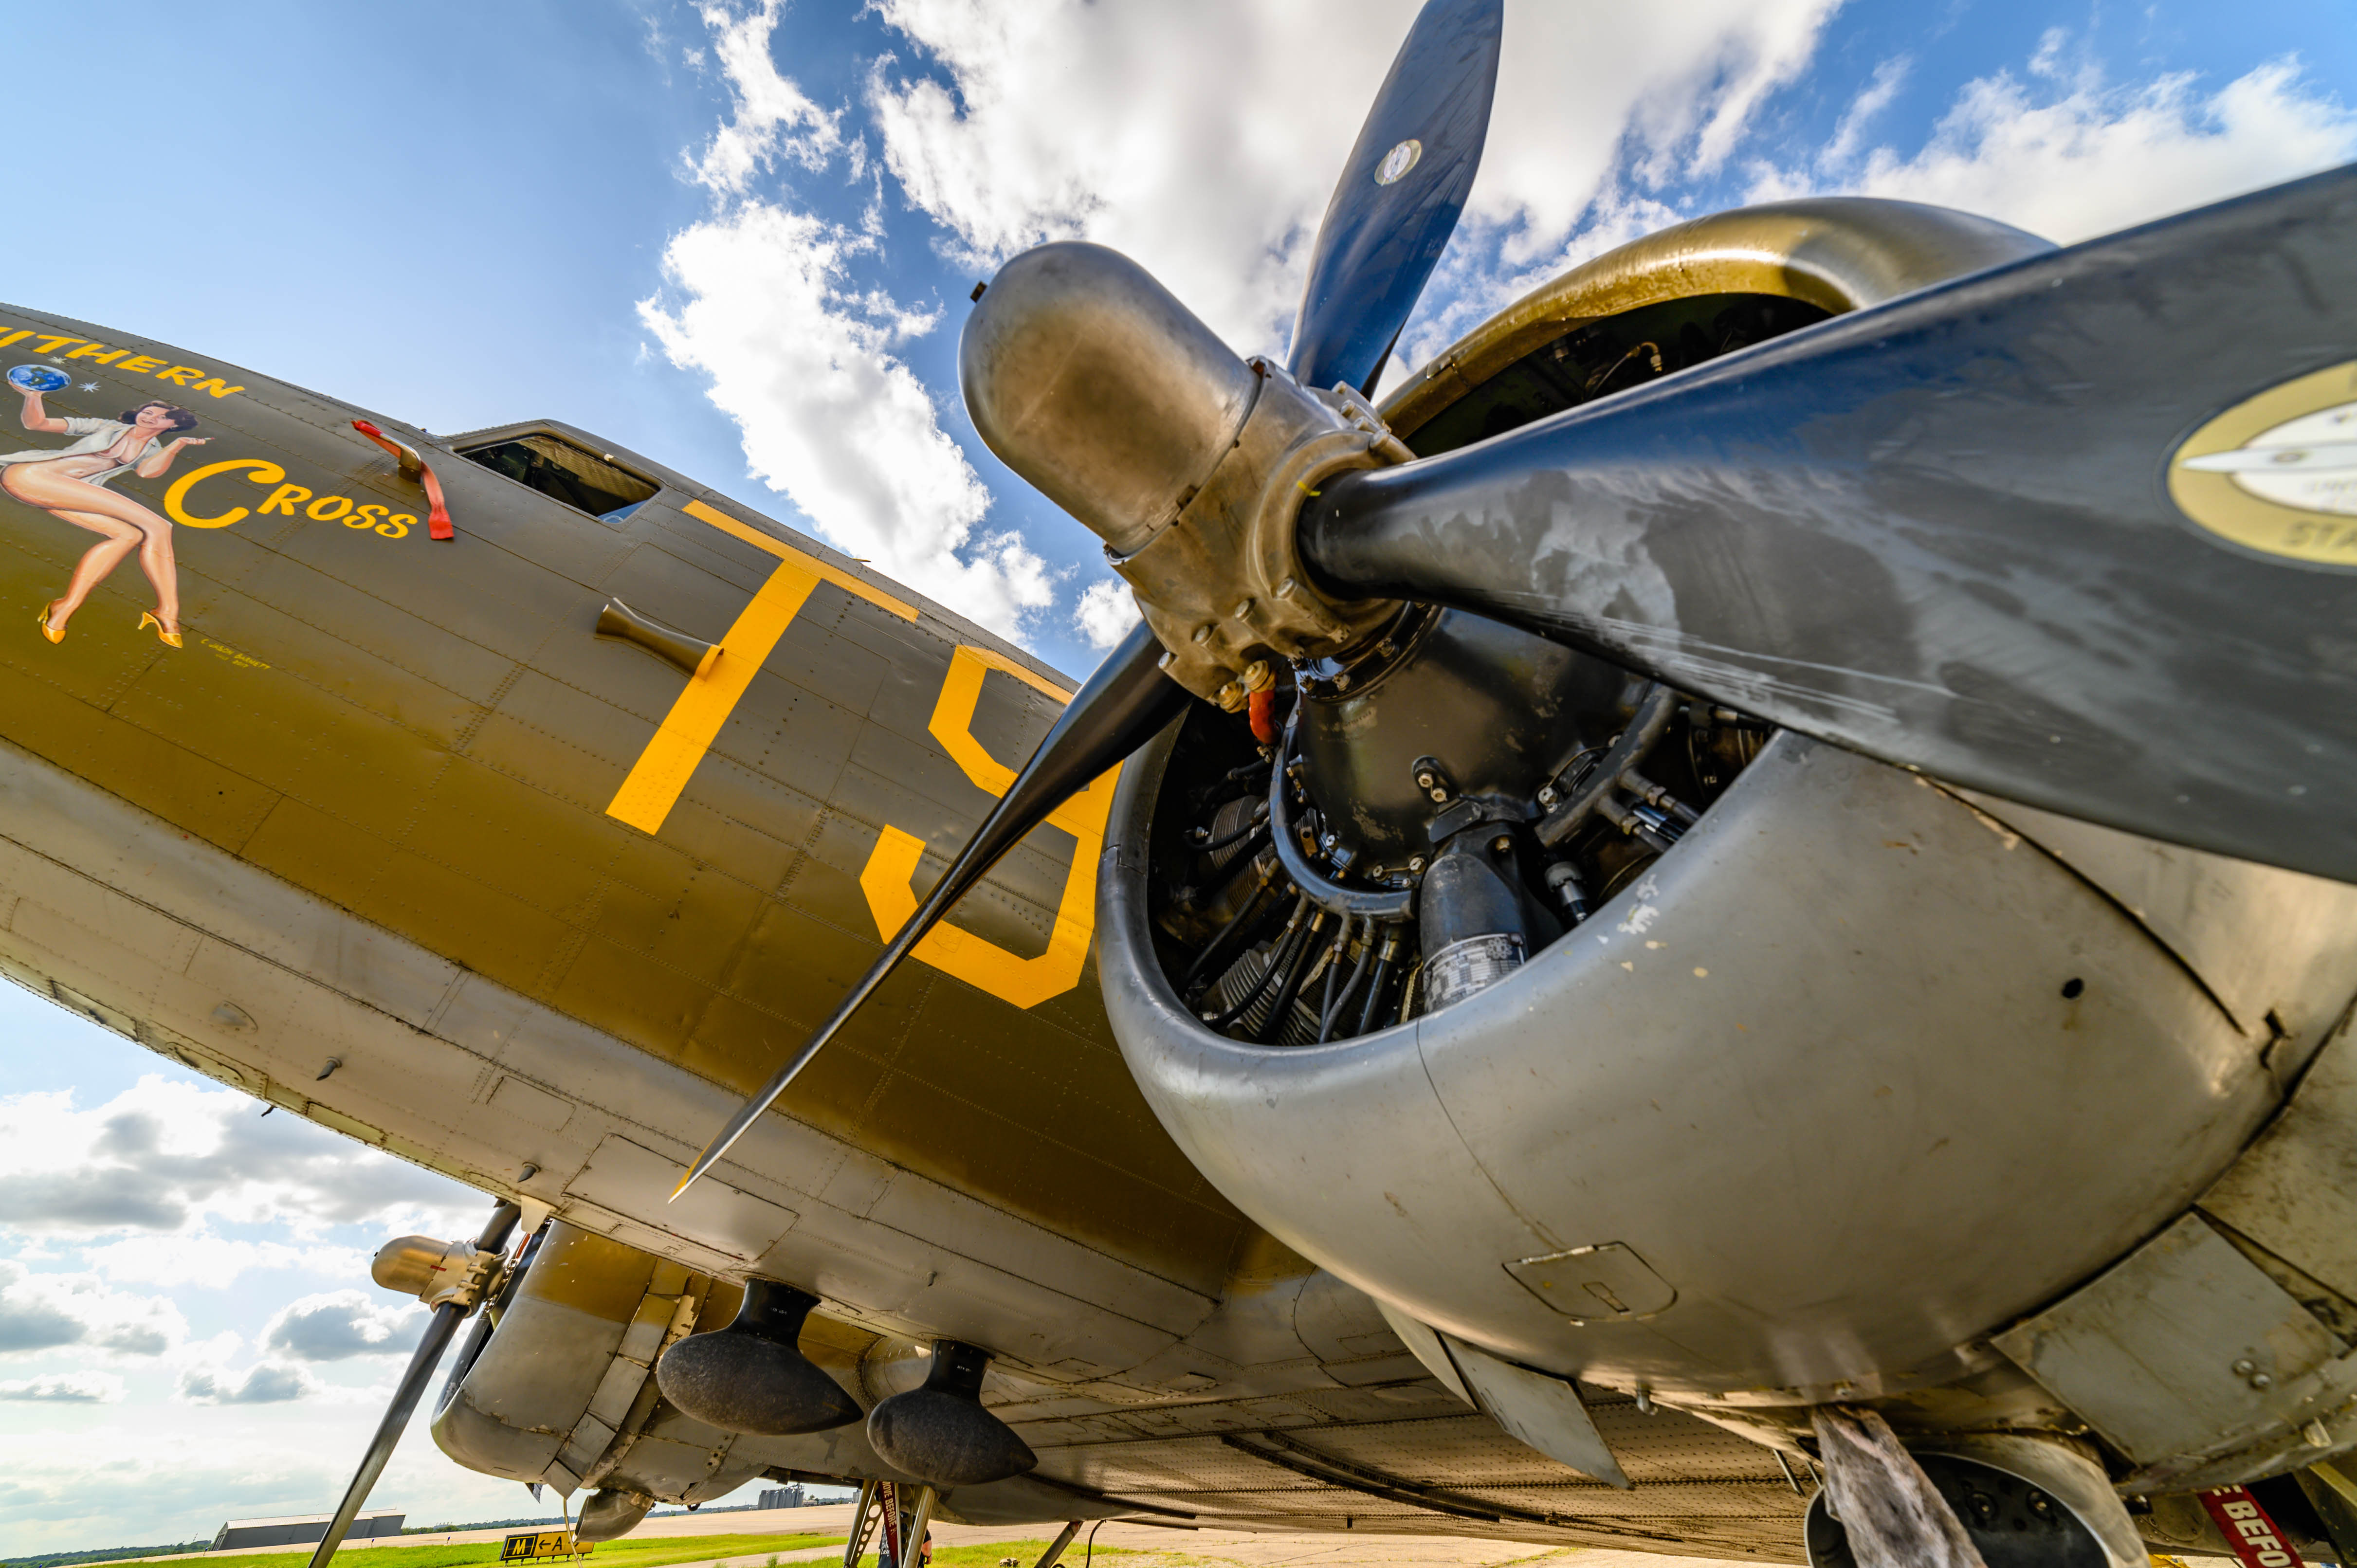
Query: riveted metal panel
point(2295, 1190)
point(424, 739)
point(621, 1174)
point(1545, 1413)
point(2180, 1348)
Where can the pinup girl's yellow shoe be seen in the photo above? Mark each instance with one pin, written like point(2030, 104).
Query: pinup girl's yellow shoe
point(54, 633)
point(146, 620)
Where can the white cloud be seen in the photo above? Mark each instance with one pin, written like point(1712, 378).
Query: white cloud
point(160, 1164)
point(171, 1471)
point(806, 359)
point(1105, 613)
point(2068, 157)
point(1187, 135)
point(1850, 135)
point(1190, 136)
point(772, 119)
point(802, 358)
point(2064, 155)
point(335, 1324)
point(65, 1387)
point(41, 1312)
point(265, 1382)
point(200, 1257)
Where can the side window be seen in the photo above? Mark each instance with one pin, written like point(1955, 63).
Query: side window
point(580, 478)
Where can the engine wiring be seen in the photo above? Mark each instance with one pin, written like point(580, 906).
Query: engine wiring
point(1278, 930)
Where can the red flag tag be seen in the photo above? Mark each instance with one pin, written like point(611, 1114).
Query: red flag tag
point(2256, 1541)
point(413, 467)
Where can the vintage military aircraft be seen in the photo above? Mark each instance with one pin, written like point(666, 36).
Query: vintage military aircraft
point(1724, 928)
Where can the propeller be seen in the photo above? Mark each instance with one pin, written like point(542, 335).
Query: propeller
point(439, 1331)
point(1400, 195)
point(1948, 533)
point(1120, 708)
point(1389, 218)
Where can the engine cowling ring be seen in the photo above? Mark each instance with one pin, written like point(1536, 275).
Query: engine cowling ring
point(1809, 1095)
point(1807, 1100)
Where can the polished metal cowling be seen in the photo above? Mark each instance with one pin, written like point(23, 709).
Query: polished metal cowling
point(1090, 380)
point(1824, 1106)
point(434, 1272)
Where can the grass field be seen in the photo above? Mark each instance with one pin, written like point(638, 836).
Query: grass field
point(987, 1553)
point(654, 1553)
point(658, 1552)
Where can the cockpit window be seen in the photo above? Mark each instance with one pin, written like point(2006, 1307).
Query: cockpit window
point(578, 478)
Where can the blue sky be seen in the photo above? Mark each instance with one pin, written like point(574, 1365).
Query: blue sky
point(741, 241)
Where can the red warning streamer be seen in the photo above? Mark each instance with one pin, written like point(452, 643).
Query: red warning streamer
point(413, 467)
point(888, 1496)
point(2256, 1541)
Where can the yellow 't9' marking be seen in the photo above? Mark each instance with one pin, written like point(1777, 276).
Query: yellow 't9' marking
point(1023, 982)
point(687, 732)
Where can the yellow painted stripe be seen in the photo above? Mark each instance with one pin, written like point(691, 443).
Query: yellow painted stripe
point(688, 731)
point(953, 721)
point(648, 795)
point(842, 579)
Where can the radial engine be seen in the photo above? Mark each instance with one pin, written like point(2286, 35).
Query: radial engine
point(1605, 1033)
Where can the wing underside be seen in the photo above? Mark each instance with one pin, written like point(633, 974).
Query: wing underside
point(1411, 1459)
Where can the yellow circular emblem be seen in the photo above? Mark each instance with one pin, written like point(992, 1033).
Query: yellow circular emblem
point(2277, 473)
point(1398, 161)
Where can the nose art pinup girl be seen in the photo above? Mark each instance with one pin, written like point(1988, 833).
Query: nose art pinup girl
point(70, 483)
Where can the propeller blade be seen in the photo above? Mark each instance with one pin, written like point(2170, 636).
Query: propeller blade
point(1120, 708)
point(1400, 195)
point(439, 1331)
point(1964, 532)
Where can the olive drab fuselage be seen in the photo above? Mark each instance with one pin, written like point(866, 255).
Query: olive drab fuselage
point(431, 737)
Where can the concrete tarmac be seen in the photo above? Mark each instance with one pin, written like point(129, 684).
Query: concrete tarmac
point(1216, 1548)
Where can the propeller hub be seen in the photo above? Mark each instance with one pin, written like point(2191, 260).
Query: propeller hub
point(1093, 382)
point(1088, 379)
point(436, 1271)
